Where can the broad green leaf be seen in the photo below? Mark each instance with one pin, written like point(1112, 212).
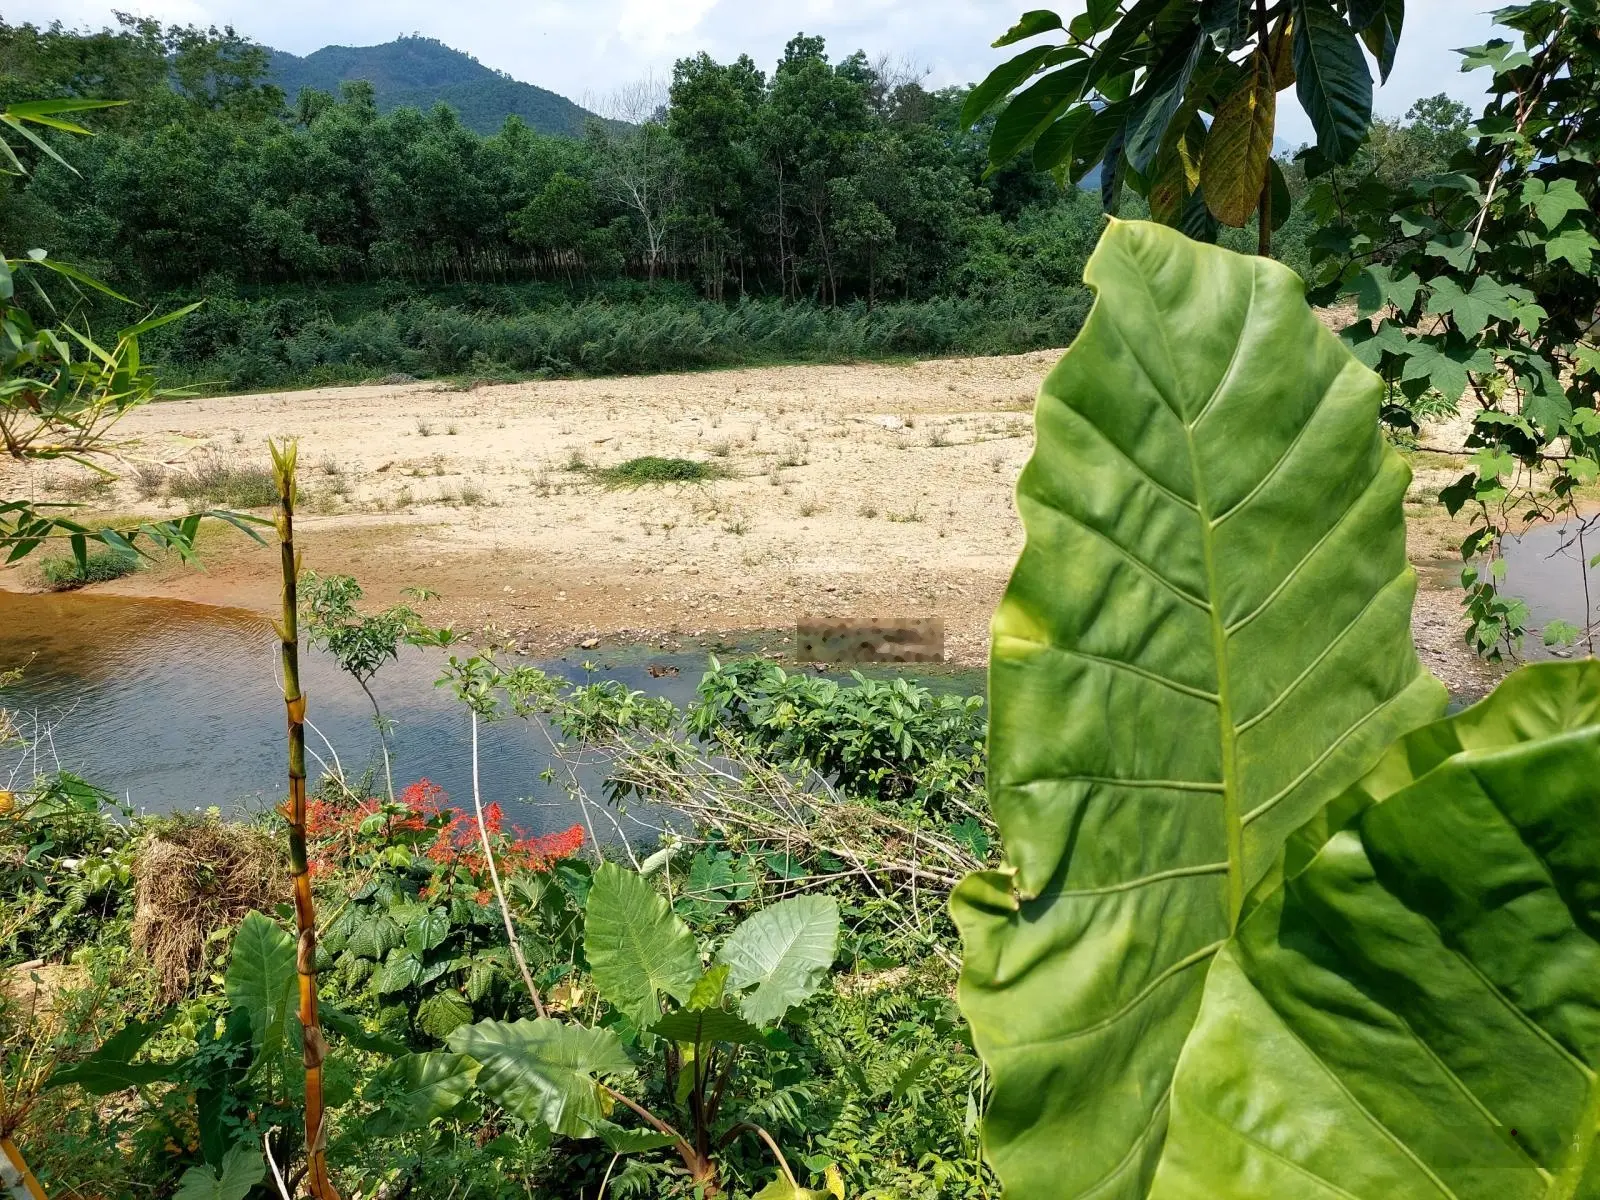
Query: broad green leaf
point(109, 1070)
point(1444, 362)
point(783, 952)
point(402, 969)
point(697, 1026)
point(418, 1088)
point(1575, 244)
point(242, 1168)
point(709, 988)
point(1331, 79)
point(261, 978)
point(349, 1026)
point(1233, 165)
point(1033, 110)
point(1415, 1011)
point(1207, 635)
point(1164, 89)
point(1375, 287)
point(1380, 23)
point(439, 1015)
point(1000, 83)
point(1057, 143)
point(637, 947)
point(544, 1071)
point(1030, 24)
point(631, 1141)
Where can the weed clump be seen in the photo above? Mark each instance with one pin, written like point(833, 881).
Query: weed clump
point(193, 877)
point(652, 468)
point(66, 573)
point(216, 480)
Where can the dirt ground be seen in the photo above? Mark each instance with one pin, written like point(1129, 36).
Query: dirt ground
point(880, 490)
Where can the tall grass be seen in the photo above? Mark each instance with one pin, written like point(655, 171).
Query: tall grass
point(229, 484)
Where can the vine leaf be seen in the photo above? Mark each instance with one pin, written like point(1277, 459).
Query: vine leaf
point(1215, 550)
point(1423, 981)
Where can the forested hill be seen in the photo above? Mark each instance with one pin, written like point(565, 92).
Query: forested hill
point(419, 72)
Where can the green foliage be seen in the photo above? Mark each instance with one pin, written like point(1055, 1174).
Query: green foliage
point(545, 1071)
point(261, 980)
point(654, 469)
point(894, 741)
point(1419, 985)
point(217, 480)
point(781, 955)
point(1177, 100)
point(1174, 578)
point(1483, 283)
point(66, 867)
point(99, 566)
point(638, 951)
point(241, 1170)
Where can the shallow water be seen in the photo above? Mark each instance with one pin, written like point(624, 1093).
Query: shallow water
point(1547, 567)
point(175, 705)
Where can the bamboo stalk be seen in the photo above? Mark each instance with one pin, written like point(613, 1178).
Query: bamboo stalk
point(294, 811)
point(15, 1175)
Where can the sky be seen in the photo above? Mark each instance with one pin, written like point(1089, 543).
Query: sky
point(586, 49)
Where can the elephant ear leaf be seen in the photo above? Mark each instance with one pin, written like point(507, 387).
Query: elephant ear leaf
point(1207, 636)
point(544, 1072)
point(261, 980)
point(782, 955)
point(1415, 1011)
point(638, 949)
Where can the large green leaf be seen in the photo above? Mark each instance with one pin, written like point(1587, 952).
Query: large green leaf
point(242, 1169)
point(1234, 163)
point(1207, 636)
point(637, 948)
point(261, 979)
point(783, 952)
point(419, 1087)
point(1416, 1010)
point(1331, 79)
point(544, 1071)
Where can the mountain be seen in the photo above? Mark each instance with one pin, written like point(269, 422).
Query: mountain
point(419, 72)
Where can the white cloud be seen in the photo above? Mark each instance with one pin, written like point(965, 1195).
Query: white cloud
point(586, 48)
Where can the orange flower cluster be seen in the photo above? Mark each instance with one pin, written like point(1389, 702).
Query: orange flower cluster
point(425, 806)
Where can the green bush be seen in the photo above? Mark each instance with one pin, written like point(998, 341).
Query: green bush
point(653, 469)
point(215, 480)
point(65, 573)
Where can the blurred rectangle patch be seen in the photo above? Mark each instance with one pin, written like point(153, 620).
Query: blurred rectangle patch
point(846, 640)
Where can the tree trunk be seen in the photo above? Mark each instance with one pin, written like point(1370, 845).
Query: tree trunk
point(294, 810)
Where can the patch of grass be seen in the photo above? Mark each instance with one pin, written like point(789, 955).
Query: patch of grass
point(65, 573)
point(216, 480)
point(149, 480)
point(88, 487)
point(652, 468)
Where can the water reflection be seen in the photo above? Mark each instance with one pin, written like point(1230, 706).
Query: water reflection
point(1548, 567)
point(176, 705)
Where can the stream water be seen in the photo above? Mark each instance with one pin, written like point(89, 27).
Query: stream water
point(176, 706)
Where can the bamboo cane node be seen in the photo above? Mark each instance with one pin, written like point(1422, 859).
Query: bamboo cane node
point(306, 953)
point(297, 709)
point(315, 1049)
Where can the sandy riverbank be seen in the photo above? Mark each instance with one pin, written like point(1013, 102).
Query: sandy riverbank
point(867, 490)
